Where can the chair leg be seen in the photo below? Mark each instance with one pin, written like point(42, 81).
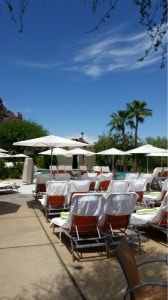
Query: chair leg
point(46, 215)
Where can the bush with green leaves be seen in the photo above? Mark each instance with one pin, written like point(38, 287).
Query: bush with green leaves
point(10, 172)
point(3, 170)
point(15, 171)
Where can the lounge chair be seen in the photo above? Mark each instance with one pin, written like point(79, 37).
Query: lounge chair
point(136, 288)
point(83, 169)
point(118, 186)
point(103, 181)
point(61, 169)
point(68, 169)
point(138, 186)
point(93, 178)
point(155, 198)
point(56, 199)
point(105, 169)
point(149, 177)
point(160, 171)
point(40, 187)
point(118, 210)
point(54, 169)
point(97, 169)
point(62, 176)
point(83, 222)
point(131, 176)
point(5, 185)
point(78, 186)
point(156, 217)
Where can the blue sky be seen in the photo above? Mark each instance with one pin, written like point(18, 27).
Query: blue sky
point(70, 81)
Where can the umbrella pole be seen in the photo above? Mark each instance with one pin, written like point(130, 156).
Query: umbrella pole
point(51, 158)
point(113, 164)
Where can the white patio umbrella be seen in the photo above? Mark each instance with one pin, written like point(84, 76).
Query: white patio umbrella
point(5, 155)
point(50, 141)
point(79, 151)
point(145, 149)
point(113, 152)
point(3, 150)
point(55, 151)
point(159, 154)
point(21, 155)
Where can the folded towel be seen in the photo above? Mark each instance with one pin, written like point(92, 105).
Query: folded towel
point(146, 211)
point(154, 193)
point(64, 215)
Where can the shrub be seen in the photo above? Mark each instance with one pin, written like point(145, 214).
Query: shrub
point(3, 170)
point(15, 171)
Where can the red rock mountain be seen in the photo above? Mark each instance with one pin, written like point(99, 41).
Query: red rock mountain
point(7, 115)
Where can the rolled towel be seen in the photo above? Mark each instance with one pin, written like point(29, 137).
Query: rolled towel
point(64, 214)
point(146, 211)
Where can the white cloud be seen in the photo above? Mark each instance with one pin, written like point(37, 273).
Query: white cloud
point(114, 53)
point(107, 52)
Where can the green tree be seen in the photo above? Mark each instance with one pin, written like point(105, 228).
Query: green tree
point(161, 142)
point(104, 142)
point(137, 111)
point(18, 130)
point(118, 123)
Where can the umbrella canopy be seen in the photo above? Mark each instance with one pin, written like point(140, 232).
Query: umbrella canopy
point(3, 150)
point(145, 149)
point(5, 155)
point(79, 151)
point(21, 155)
point(55, 151)
point(159, 154)
point(165, 153)
point(50, 141)
point(112, 151)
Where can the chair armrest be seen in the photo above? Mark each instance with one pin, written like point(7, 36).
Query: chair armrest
point(165, 284)
point(164, 260)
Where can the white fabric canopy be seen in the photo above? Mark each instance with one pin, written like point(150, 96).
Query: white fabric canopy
point(55, 151)
point(5, 155)
point(3, 150)
point(112, 151)
point(145, 149)
point(79, 151)
point(50, 141)
point(164, 153)
point(20, 155)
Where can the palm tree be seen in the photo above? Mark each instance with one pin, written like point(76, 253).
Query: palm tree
point(137, 111)
point(118, 123)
